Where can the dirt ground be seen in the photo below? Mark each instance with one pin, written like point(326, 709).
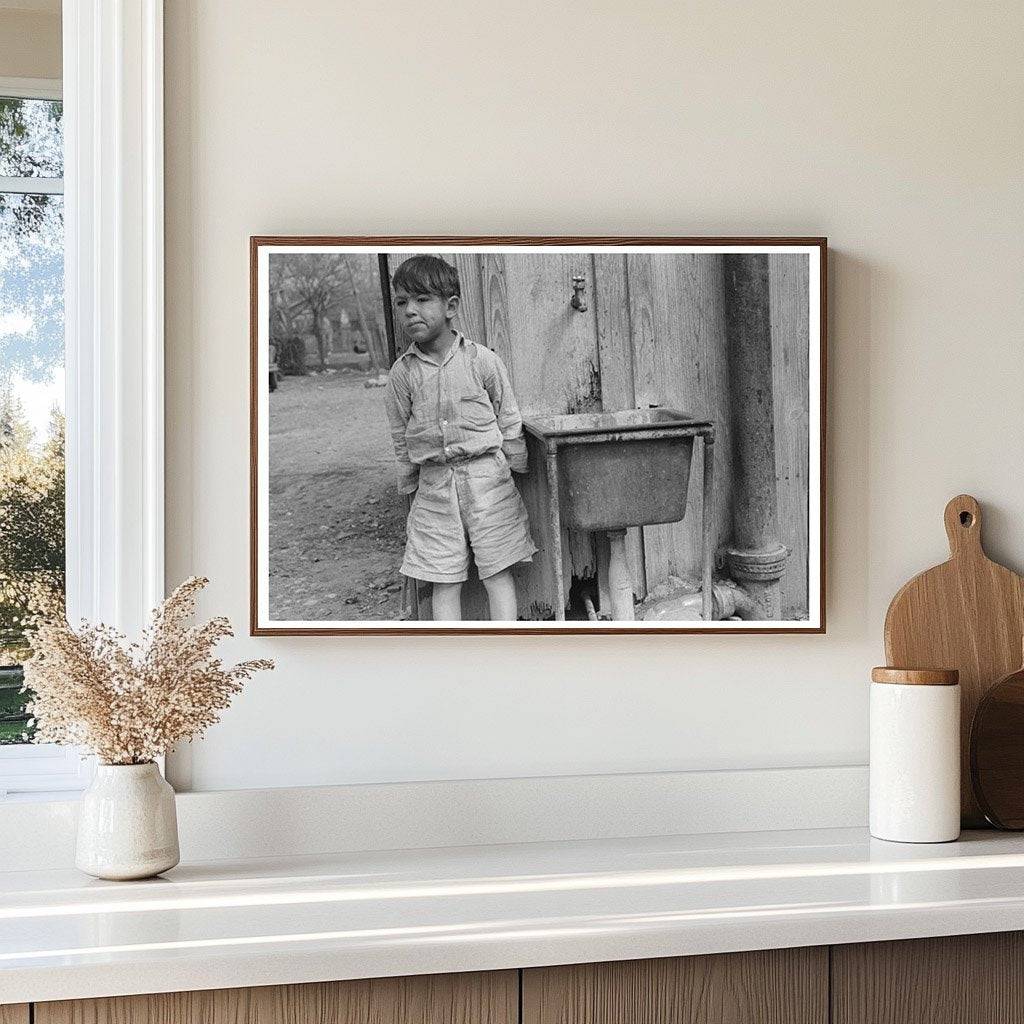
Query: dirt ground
point(337, 521)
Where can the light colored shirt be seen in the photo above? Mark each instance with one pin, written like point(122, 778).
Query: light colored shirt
point(453, 410)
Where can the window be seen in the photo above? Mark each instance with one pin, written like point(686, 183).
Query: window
point(108, 206)
point(32, 549)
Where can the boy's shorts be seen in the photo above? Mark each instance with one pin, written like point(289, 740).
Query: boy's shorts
point(462, 506)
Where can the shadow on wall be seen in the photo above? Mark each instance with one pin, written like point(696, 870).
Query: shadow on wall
point(854, 288)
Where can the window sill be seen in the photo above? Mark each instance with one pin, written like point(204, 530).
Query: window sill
point(36, 772)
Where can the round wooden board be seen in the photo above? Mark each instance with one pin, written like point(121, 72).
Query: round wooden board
point(997, 753)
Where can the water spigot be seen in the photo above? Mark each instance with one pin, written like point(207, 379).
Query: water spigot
point(579, 300)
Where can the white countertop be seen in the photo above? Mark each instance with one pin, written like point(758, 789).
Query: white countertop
point(261, 922)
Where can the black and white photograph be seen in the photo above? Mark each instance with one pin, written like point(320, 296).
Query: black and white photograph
point(537, 435)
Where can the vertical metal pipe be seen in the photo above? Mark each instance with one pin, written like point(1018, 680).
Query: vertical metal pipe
point(555, 529)
point(757, 556)
point(708, 525)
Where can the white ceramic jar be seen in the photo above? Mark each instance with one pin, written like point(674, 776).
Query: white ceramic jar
point(915, 755)
point(127, 824)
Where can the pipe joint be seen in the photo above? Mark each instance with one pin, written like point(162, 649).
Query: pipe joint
point(758, 565)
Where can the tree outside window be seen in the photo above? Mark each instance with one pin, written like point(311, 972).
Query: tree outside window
point(32, 555)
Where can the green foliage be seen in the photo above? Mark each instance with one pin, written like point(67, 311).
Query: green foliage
point(31, 146)
point(31, 348)
point(31, 504)
point(32, 550)
point(31, 138)
point(14, 721)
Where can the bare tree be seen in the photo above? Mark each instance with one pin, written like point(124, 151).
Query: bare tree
point(286, 321)
point(358, 286)
point(314, 280)
point(309, 290)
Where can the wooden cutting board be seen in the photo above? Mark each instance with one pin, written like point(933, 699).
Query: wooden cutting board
point(967, 614)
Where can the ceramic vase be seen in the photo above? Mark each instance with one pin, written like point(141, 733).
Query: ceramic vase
point(127, 825)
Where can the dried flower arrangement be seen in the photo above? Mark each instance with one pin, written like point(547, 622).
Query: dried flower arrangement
point(130, 703)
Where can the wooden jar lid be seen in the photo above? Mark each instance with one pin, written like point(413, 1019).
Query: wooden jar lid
point(916, 676)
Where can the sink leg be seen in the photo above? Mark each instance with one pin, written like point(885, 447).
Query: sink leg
point(620, 583)
point(555, 531)
point(604, 594)
point(708, 524)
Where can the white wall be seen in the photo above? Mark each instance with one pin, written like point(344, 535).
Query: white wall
point(895, 129)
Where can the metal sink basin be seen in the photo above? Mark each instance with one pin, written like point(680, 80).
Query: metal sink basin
point(603, 422)
point(620, 469)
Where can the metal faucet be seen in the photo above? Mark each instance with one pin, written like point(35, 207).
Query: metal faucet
point(579, 300)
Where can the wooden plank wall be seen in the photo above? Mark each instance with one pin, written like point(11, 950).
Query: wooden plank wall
point(550, 351)
point(789, 280)
point(559, 363)
point(678, 350)
point(654, 334)
point(615, 360)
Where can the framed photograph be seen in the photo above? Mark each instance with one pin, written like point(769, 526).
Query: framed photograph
point(537, 435)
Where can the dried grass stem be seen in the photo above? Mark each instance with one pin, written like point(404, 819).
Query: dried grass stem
point(129, 703)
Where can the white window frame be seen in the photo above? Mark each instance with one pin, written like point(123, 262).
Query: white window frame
point(114, 325)
point(32, 88)
point(38, 768)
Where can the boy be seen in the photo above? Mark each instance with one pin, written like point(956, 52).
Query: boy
point(457, 434)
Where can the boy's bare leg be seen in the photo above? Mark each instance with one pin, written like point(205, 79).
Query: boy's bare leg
point(447, 602)
point(501, 596)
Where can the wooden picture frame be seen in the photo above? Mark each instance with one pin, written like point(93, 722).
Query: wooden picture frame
point(623, 300)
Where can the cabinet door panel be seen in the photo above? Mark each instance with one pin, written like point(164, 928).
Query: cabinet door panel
point(779, 986)
point(961, 979)
point(482, 998)
point(14, 1013)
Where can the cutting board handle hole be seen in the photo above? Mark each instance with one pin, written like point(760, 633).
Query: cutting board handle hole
point(966, 519)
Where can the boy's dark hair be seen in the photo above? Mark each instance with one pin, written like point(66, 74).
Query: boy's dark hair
point(427, 275)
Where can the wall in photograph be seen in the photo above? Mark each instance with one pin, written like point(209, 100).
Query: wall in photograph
point(654, 334)
point(699, 119)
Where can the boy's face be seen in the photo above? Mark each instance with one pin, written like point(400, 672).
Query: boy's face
point(424, 317)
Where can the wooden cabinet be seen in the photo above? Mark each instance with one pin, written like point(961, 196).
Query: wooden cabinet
point(970, 979)
point(962, 979)
point(778, 986)
point(490, 998)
